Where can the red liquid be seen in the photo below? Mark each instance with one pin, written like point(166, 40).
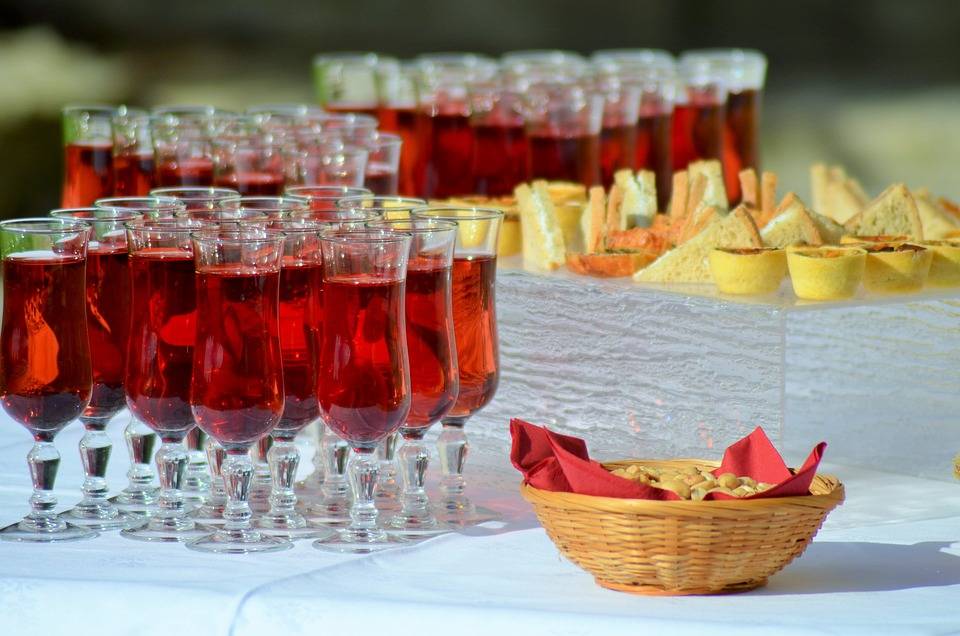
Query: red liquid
point(108, 325)
point(446, 150)
point(237, 394)
point(197, 171)
point(162, 332)
point(618, 150)
point(499, 158)
point(653, 153)
point(575, 159)
point(475, 324)
point(697, 131)
point(133, 174)
point(45, 377)
point(432, 350)
point(365, 382)
point(364, 109)
point(253, 184)
point(301, 333)
point(403, 121)
point(741, 138)
point(88, 174)
point(380, 179)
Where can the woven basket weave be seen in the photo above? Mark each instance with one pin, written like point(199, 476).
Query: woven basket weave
point(683, 547)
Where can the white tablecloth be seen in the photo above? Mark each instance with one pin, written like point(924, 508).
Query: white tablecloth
point(885, 562)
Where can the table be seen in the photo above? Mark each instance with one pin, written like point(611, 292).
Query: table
point(885, 562)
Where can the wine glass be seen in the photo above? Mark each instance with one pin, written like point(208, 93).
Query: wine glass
point(45, 372)
point(159, 360)
point(108, 322)
point(237, 385)
point(364, 369)
point(434, 381)
point(478, 354)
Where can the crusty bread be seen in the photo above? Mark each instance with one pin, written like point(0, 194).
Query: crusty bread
point(819, 180)
point(639, 198)
point(689, 262)
point(936, 221)
point(768, 196)
point(893, 212)
point(678, 196)
point(749, 188)
point(543, 246)
point(791, 225)
point(714, 192)
point(614, 204)
point(695, 223)
point(593, 220)
point(830, 230)
point(843, 201)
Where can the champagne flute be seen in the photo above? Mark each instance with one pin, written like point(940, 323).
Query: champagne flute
point(45, 372)
point(364, 369)
point(478, 354)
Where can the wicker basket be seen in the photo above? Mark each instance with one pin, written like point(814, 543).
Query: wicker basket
point(682, 547)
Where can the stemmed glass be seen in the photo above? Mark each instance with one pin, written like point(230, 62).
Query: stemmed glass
point(237, 385)
point(159, 360)
point(478, 355)
point(45, 372)
point(108, 322)
point(364, 369)
point(434, 381)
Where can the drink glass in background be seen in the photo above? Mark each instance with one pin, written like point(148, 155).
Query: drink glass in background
point(478, 348)
point(108, 323)
point(247, 159)
point(364, 368)
point(380, 206)
point(618, 134)
point(382, 175)
point(743, 73)
point(322, 200)
point(88, 155)
point(160, 360)
point(236, 393)
point(133, 167)
point(182, 144)
point(152, 207)
point(347, 82)
point(324, 158)
point(698, 113)
point(274, 208)
point(45, 371)
point(444, 137)
point(434, 381)
point(563, 119)
point(197, 198)
point(397, 85)
point(354, 129)
point(500, 148)
point(537, 61)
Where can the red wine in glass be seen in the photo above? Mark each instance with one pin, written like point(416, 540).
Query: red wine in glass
point(252, 184)
point(194, 171)
point(108, 325)
point(475, 326)
point(403, 121)
point(741, 138)
point(88, 174)
point(499, 158)
point(381, 179)
point(445, 151)
point(564, 158)
point(618, 149)
point(133, 174)
point(301, 332)
point(697, 129)
point(653, 152)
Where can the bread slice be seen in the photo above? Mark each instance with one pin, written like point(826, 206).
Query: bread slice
point(819, 180)
point(543, 247)
point(615, 220)
point(696, 222)
point(893, 212)
point(689, 263)
point(843, 202)
point(791, 225)
point(749, 188)
point(593, 220)
point(935, 219)
point(678, 196)
point(714, 193)
point(830, 230)
point(639, 198)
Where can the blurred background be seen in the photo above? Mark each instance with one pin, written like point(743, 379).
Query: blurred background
point(872, 85)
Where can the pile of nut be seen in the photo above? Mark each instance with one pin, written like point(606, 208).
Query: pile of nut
point(692, 482)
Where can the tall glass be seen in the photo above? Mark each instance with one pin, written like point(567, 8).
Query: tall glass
point(253, 165)
point(398, 114)
point(563, 120)
point(618, 133)
point(364, 369)
point(352, 128)
point(434, 381)
point(45, 371)
point(196, 197)
point(324, 198)
point(87, 155)
point(325, 159)
point(533, 60)
point(108, 323)
point(500, 147)
point(154, 207)
point(698, 114)
point(381, 206)
point(382, 175)
point(237, 385)
point(478, 351)
point(159, 361)
point(347, 82)
point(182, 145)
point(133, 167)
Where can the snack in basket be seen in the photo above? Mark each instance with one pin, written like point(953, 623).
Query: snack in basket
point(692, 482)
point(892, 268)
point(825, 273)
point(944, 263)
point(894, 211)
point(750, 271)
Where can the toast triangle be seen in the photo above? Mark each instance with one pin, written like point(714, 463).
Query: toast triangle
point(894, 211)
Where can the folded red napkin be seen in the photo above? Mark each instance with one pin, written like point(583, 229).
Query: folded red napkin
point(560, 463)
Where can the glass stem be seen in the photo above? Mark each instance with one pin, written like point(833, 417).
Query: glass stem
point(197, 478)
point(44, 460)
point(316, 477)
point(95, 447)
point(414, 459)
point(452, 446)
point(140, 441)
point(237, 474)
point(284, 458)
point(171, 462)
point(335, 453)
point(364, 472)
point(387, 453)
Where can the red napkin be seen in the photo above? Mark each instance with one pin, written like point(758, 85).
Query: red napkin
point(560, 463)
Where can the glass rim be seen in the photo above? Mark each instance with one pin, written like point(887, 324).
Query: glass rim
point(212, 235)
point(44, 225)
point(148, 203)
point(209, 191)
point(359, 190)
point(354, 118)
point(171, 224)
point(93, 108)
point(281, 203)
point(478, 213)
point(438, 225)
point(365, 235)
point(119, 214)
point(381, 198)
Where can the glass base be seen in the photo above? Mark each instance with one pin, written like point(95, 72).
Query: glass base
point(293, 533)
point(348, 541)
point(141, 502)
point(413, 529)
point(168, 530)
point(27, 532)
point(239, 542)
point(387, 502)
point(464, 516)
point(334, 515)
point(209, 514)
point(105, 521)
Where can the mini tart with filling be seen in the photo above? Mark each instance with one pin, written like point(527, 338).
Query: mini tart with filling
point(896, 267)
point(944, 262)
point(867, 240)
point(826, 273)
point(749, 271)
